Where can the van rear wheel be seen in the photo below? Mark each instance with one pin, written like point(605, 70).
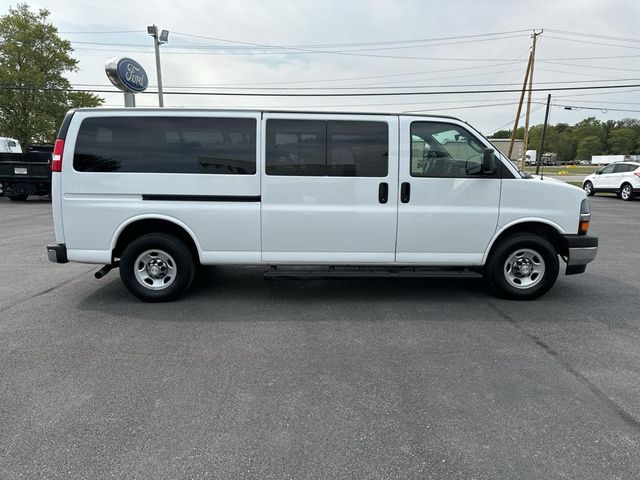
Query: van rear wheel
point(523, 266)
point(157, 267)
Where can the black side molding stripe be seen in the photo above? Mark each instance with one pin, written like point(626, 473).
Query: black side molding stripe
point(203, 198)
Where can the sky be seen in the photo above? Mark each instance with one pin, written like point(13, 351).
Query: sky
point(374, 46)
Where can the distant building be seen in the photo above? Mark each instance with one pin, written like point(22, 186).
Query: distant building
point(502, 144)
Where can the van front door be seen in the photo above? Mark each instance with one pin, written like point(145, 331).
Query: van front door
point(329, 188)
point(447, 213)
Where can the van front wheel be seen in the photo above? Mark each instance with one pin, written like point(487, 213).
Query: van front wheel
point(157, 267)
point(523, 266)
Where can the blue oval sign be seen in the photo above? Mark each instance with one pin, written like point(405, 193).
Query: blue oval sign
point(127, 74)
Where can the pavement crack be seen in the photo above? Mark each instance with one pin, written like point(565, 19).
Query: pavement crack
point(43, 292)
point(625, 416)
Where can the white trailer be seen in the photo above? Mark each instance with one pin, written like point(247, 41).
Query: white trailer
point(607, 159)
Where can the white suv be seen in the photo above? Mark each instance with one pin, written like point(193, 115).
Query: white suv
point(621, 178)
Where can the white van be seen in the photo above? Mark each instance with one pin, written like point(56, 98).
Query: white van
point(159, 191)
point(9, 145)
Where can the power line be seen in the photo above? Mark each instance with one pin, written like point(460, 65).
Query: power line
point(103, 32)
point(337, 45)
point(592, 43)
point(338, 94)
point(510, 122)
point(602, 109)
point(395, 87)
point(233, 50)
point(590, 66)
point(466, 107)
point(593, 35)
point(600, 93)
point(324, 52)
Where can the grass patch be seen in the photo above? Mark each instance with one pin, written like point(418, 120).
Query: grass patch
point(566, 169)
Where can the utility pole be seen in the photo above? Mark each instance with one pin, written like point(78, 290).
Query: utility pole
point(526, 120)
point(544, 134)
point(515, 125)
point(528, 77)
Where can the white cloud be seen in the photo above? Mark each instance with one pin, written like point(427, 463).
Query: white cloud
point(283, 22)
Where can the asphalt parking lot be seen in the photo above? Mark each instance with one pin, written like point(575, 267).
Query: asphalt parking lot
point(376, 378)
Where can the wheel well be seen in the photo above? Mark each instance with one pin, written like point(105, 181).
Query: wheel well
point(542, 229)
point(142, 227)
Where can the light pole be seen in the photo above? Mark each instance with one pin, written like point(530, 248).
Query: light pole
point(157, 41)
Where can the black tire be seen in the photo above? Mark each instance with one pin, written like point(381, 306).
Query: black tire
point(588, 188)
point(626, 192)
point(165, 253)
point(512, 256)
point(18, 198)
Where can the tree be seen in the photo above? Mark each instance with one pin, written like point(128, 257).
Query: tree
point(622, 141)
point(589, 146)
point(589, 127)
point(34, 94)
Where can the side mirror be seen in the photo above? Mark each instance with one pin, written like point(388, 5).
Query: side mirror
point(598, 172)
point(488, 161)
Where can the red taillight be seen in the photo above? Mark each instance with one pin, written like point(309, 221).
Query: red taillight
point(637, 174)
point(56, 159)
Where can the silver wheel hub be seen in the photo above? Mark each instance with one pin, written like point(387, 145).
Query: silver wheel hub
point(524, 268)
point(155, 269)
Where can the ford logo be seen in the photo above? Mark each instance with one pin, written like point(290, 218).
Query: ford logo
point(127, 74)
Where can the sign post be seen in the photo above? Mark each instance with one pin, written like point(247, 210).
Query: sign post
point(127, 75)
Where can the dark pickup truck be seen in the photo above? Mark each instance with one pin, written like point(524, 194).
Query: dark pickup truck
point(28, 173)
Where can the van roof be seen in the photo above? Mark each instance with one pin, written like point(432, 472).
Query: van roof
point(270, 110)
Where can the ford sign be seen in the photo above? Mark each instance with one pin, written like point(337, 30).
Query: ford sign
point(127, 75)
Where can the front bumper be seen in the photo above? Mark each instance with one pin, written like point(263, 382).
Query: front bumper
point(57, 253)
point(580, 250)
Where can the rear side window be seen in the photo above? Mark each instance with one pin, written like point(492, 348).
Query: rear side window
point(223, 146)
point(357, 149)
point(630, 167)
point(327, 148)
point(296, 147)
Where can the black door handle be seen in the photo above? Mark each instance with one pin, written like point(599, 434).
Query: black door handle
point(405, 192)
point(383, 192)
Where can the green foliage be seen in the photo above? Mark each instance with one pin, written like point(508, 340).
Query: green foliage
point(586, 138)
point(589, 146)
point(34, 94)
point(623, 140)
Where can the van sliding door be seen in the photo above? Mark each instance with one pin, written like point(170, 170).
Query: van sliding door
point(329, 188)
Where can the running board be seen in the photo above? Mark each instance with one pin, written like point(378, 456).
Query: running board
point(368, 271)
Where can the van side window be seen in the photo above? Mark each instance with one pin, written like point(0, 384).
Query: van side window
point(444, 150)
point(296, 147)
point(222, 146)
point(327, 148)
point(357, 149)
